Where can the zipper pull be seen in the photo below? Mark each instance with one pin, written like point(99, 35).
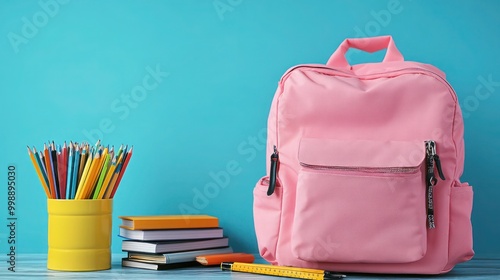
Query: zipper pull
point(434, 156)
point(273, 172)
point(438, 165)
point(430, 151)
point(430, 181)
point(432, 159)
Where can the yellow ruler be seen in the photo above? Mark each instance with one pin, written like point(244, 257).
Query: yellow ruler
point(285, 271)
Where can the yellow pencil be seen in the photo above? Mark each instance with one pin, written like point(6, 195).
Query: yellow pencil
point(107, 179)
point(39, 172)
point(83, 160)
point(98, 169)
point(87, 187)
point(79, 191)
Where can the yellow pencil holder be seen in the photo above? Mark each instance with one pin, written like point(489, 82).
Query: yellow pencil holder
point(79, 234)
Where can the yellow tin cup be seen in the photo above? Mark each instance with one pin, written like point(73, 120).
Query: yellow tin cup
point(79, 234)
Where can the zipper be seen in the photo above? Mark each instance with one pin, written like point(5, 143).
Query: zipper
point(432, 162)
point(383, 170)
point(273, 171)
point(413, 70)
point(338, 72)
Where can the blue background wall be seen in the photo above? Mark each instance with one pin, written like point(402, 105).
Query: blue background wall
point(69, 70)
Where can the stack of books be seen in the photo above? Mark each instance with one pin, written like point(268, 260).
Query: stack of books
point(171, 241)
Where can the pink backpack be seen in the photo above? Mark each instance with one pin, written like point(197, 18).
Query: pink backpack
point(364, 169)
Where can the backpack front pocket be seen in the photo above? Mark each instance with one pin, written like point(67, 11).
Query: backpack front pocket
point(360, 201)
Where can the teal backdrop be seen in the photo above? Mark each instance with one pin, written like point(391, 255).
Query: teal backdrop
point(189, 84)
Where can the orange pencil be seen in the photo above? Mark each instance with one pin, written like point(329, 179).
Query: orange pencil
point(107, 195)
point(49, 171)
point(114, 177)
point(39, 172)
point(122, 171)
point(217, 259)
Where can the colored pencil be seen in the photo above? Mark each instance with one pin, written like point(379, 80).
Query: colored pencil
point(53, 162)
point(69, 179)
point(109, 189)
point(39, 159)
point(101, 177)
point(50, 174)
point(107, 179)
point(74, 178)
point(88, 185)
point(80, 171)
point(98, 171)
point(83, 159)
point(60, 167)
point(122, 171)
point(114, 177)
point(65, 168)
point(39, 172)
point(80, 190)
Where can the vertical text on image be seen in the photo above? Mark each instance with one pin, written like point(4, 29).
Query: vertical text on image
point(11, 217)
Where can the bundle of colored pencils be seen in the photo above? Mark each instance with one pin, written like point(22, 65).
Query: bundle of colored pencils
point(80, 171)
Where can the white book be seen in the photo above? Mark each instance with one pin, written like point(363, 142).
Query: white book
point(156, 266)
point(178, 257)
point(173, 246)
point(171, 234)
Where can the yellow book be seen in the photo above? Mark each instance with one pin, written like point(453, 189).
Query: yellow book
point(169, 222)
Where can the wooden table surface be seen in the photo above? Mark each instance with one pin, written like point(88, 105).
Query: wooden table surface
point(34, 267)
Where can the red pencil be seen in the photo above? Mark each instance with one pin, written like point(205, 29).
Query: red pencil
point(125, 163)
point(60, 167)
point(64, 169)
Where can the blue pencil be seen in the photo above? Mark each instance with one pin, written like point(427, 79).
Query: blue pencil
point(69, 178)
point(76, 167)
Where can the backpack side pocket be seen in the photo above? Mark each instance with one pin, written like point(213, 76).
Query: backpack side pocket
point(267, 218)
point(460, 224)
